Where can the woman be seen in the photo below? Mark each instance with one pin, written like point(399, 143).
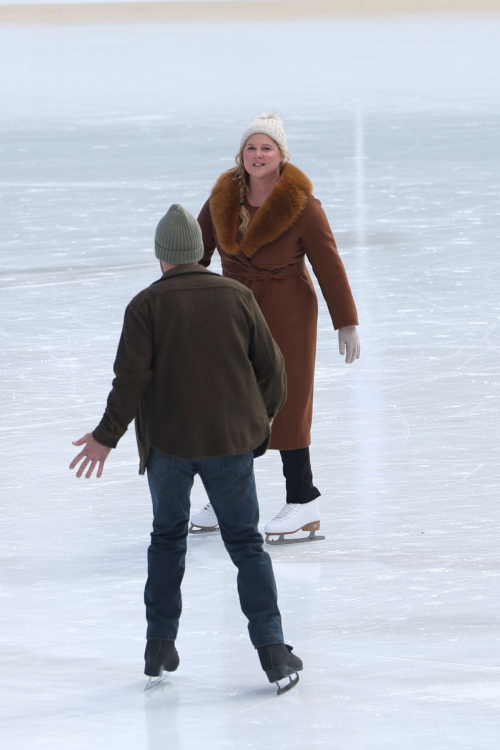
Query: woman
point(264, 221)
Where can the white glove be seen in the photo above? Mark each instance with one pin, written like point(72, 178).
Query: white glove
point(349, 339)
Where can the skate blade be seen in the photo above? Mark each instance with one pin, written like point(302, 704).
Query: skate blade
point(153, 681)
point(289, 685)
point(282, 540)
point(203, 529)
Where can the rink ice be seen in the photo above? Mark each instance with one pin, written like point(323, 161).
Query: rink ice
point(396, 614)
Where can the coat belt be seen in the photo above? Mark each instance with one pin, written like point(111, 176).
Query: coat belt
point(261, 278)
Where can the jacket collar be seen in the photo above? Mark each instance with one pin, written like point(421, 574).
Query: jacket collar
point(277, 214)
point(182, 270)
point(185, 268)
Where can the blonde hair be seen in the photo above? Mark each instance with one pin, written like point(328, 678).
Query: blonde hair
point(241, 175)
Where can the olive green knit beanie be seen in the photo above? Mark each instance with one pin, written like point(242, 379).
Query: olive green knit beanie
point(178, 237)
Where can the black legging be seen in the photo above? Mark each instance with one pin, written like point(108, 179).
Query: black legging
point(298, 474)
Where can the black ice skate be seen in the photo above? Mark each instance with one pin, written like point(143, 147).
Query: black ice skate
point(278, 663)
point(160, 656)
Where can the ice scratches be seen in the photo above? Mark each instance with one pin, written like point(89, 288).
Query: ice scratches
point(407, 424)
point(64, 185)
point(61, 276)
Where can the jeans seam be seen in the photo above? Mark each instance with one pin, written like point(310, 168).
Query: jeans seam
point(156, 638)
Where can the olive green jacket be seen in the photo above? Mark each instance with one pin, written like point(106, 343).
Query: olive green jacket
point(198, 369)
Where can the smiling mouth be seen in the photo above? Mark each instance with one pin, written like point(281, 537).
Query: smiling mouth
point(259, 164)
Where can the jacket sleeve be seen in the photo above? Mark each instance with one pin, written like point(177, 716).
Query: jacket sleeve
point(319, 246)
point(267, 362)
point(207, 230)
point(133, 367)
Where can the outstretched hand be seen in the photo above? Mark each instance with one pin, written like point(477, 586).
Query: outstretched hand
point(92, 454)
point(349, 341)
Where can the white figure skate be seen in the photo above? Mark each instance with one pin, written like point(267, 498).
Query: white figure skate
point(292, 518)
point(204, 521)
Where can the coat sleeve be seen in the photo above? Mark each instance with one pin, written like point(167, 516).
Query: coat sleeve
point(207, 230)
point(320, 248)
point(267, 362)
point(132, 368)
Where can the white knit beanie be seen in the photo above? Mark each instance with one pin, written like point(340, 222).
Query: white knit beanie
point(270, 125)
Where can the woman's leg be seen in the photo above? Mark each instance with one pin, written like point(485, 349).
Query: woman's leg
point(301, 511)
point(298, 474)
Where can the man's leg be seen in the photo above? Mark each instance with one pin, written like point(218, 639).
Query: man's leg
point(170, 481)
point(230, 485)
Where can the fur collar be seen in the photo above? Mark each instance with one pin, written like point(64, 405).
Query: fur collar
point(277, 214)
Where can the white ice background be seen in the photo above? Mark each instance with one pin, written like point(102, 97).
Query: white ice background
point(396, 615)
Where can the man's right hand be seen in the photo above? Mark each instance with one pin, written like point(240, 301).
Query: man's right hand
point(93, 454)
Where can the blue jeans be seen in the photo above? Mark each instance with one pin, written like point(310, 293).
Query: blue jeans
point(230, 485)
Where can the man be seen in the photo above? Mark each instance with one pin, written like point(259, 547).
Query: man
point(198, 369)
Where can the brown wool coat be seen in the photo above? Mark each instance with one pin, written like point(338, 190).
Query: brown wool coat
point(269, 259)
point(198, 369)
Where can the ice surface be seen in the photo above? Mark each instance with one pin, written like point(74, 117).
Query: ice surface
point(396, 614)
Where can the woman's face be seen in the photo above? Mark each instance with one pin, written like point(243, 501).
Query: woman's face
point(261, 156)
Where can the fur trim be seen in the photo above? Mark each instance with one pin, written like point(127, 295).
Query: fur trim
point(277, 214)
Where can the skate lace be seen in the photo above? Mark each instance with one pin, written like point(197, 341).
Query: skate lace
point(288, 510)
point(208, 506)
